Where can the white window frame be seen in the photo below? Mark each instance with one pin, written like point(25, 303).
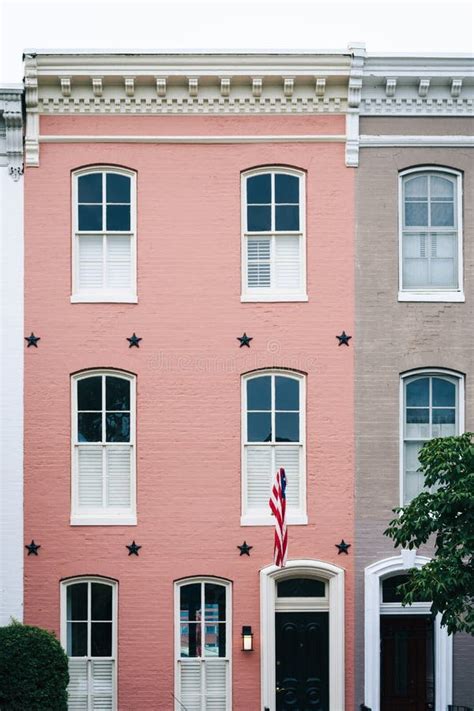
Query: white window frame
point(263, 517)
point(448, 295)
point(272, 294)
point(333, 576)
point(65, 584)
point(104, 516)
point(430, 372)
point(178, 660)
point(104, 295)
point(374, 607)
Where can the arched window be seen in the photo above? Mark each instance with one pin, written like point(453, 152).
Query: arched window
point(432, 407)
point(104, 239)
point(431, 235)
point(273, 431)
point(203, 644)
point(273, 228)
point(88, 634)
point(103, 448)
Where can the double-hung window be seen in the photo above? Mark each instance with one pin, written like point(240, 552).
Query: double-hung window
point(88, 634)
point(273, 247)
point(273, 428)
point(432, 407)
point(104, 238)
point(203, 645)
point(103, 444)
point(431, 236)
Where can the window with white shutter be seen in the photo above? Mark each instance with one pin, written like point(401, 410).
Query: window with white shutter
point(273, 225)
point(431, 235)
point(88, 634)
point(103, 444)
point(273, 431)
point(104, 237)
point(431, 407)
point(203, 645)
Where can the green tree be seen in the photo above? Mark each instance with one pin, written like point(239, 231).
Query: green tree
point(33, 670)
point(445, 510)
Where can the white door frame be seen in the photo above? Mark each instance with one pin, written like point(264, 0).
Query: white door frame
point(374, 574)
point(335, 579)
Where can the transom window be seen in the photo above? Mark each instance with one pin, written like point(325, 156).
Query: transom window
point(273, 229)
point(103, 448)
point(431, 409)
point(203, 645)
point(273, 432)
point(88, 635)
point(431, 248)
point(104, 236)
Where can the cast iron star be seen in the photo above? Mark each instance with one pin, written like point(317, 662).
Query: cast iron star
point(343, 547)
point(244, 340)
point(343, 339)
point(133, 548)
point(245, 549)
point(134, 340)
point(32, 340)
point(32, 548)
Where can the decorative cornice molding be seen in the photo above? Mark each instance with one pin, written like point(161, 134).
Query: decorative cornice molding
point(256, 138)
point(12, 115)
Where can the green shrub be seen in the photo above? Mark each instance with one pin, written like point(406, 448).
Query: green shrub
point(33, 670)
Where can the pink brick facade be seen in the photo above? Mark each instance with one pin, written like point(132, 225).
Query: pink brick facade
point(188, 370)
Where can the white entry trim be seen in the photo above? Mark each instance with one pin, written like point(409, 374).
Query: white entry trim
point(335, 579)
point(443, 642)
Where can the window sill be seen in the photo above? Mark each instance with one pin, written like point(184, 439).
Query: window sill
point(98, 520)
point(447, 296)
point(246, 298)
point(125, 298)
point(292, 519)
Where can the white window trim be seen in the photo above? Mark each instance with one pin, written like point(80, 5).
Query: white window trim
point(374, 608)
point(273, 295)
point(96, 517)
point(428, 295)
point(264, 516)
point(104, 295)
point(177, 633)
point(459, 377)
point(334, 576)
point(103, 581)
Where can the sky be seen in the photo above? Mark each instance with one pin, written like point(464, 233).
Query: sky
point(431, 26)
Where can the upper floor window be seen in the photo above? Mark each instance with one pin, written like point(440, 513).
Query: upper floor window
point(273, 249)
point(104, 247)
point(273, 428)
point(88, 634)
point(203, 644)
point(431, 235)
point(103, 439)
point(431, 408)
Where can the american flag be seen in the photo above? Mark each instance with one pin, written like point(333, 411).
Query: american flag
point(278, 507)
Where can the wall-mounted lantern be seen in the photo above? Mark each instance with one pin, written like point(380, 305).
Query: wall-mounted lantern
point(247, 639)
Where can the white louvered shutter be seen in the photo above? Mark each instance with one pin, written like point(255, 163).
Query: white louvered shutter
point(287, 263)
point(118, 262)
point(216, 685)
point(90, 476)
point(258, 263)
point(90, 267)
point(118, 476)
point(78, 685)
point(259, 476)
point(102, 671)
point(191, 684)
point(289, 459)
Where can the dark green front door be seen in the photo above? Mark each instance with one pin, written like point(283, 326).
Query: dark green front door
point(302, 661)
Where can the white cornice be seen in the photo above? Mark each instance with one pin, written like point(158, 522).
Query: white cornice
point(11, 115)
